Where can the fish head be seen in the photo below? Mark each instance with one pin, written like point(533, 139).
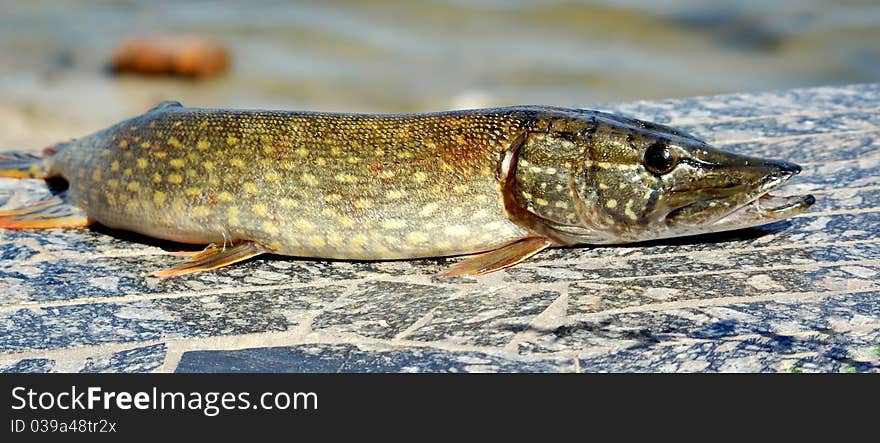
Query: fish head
point(601, 178)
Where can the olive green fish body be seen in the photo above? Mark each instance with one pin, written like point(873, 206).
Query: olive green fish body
point(304, 184)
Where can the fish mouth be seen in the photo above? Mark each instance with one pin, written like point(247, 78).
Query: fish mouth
point(744, 206)
point(765, 209)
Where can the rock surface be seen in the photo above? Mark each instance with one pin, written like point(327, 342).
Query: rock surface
point(799, 295)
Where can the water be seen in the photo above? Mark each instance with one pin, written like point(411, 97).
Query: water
point(413, 56)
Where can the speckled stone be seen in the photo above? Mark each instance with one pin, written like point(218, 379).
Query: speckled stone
point(801, 295)
point(142, 359)
point(347, 358)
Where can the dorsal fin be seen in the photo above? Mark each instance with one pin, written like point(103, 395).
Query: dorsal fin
point(165, 105)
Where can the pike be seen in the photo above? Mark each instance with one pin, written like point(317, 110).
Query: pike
point(505, 183)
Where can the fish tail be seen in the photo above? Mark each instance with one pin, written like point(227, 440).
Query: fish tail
point(17, 164)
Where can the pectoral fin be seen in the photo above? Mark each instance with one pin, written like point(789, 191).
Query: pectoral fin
point(55, 212)
point(214, 257)
point(503, 257)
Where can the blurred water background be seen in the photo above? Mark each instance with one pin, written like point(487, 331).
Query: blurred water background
point(428, 55)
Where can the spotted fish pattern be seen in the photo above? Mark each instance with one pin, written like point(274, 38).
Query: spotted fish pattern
point(511, 181)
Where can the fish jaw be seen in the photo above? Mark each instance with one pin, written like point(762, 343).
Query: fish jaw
point(740, 207)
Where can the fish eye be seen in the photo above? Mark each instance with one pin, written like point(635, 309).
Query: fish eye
point(659, 159)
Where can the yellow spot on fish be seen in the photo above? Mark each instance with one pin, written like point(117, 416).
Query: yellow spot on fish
point(526, 194)
point(346, 221)
point(203, 145)
point(249, 187)
point(232, 215)
point(209, 166)
point(302, 152)
point(611, 203)
point(192, 191)
point(304, 225)
point(288, 202)
point(192, 156)
point(127, 172)
point(359, 240)
point(224, 197)
point(96, 175)
point(622, 185)
point(328, 212)
point(231, 140)
point(320, 161)
point(309, 179)
point(481, 214)
point(173, 141)
point(157, 178)
point(330, 198)
point(175, 179)
point(260, 210)
point(159, 154)
point(123, 143)
point(420, 176)
point(316, 241)
point(353, 159)
point(114, 166)
point(550, 171)
point(192, 173)
point(112, 183)
point(629, 212)
point(416, 237)
point(394, 194)
point(456, 231)
point(459, 189)
point(603, 165)
point(345, 178)
point(237, 162)
point(561, 205)
point(393, 223)
point(363, 203)
point(428, 209)
point(158, 197)
point(200, 211)
point(133, 186)
point(386, 175)
point(541, 202)
point(142, 163)
point(270, 227)
point(334, 239)
point(146, 145)
point(272, 176)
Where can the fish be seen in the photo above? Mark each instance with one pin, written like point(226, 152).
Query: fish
point(496, 185)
